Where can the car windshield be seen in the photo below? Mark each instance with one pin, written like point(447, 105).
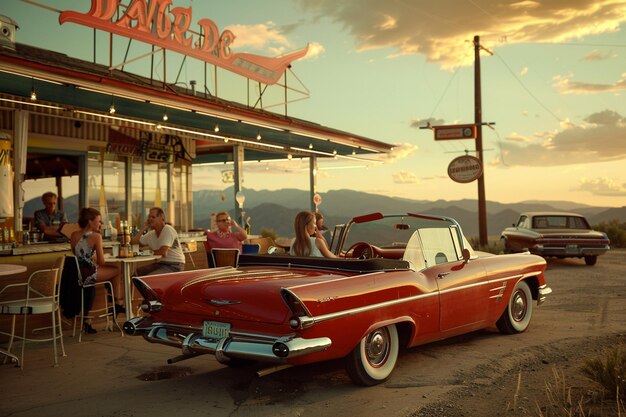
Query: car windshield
point(560, 222)
point(392, 231)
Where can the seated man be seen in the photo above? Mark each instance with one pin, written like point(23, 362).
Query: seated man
point(162, 240)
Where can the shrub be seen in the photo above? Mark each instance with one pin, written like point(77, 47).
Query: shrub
point(609, 371)
point(615, 230)
point(493, 247)
point(267, 232)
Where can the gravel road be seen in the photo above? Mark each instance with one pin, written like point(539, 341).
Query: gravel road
point(471, 375)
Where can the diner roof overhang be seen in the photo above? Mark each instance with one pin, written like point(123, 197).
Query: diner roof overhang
point(84, 90)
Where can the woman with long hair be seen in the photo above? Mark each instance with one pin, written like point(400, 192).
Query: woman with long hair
point(87, 247)
point(308, 241)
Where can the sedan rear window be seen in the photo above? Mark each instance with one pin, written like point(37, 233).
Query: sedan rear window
point(560, 222)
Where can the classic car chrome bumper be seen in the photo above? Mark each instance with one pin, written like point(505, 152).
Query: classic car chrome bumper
point(236, 345)
point(569, 251)
point(543, 291)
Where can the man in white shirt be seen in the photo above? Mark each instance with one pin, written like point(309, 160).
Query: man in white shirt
point(163, 240)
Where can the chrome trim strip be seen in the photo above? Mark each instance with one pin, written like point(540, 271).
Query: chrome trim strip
point(310, 321)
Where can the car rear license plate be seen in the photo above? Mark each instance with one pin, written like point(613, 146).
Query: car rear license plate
point(215, 329)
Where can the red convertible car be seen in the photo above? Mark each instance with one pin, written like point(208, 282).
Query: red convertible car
point(401, 281)
point(555, 234)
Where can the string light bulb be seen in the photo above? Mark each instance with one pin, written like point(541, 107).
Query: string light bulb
point(258, 136)
point(165, 117)
point(216, 128)
point(112, 107)
point(33, 94)
point(310, 146)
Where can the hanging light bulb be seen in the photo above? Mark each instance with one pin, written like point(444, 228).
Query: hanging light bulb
point(258, 136)
point(33, 94)
point(112, 107)
point(310, 146)
point(165, 116)
point(216, 128)
point(289, 156)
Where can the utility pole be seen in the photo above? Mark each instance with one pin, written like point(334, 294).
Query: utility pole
point(478, 120)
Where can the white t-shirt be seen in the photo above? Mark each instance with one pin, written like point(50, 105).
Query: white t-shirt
point(168, 238)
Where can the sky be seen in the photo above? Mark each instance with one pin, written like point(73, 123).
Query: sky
point(553, 77)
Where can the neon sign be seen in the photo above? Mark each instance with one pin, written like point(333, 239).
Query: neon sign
point(155, 23)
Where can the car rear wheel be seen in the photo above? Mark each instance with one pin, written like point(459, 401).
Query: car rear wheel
point(591, 260)
point(504, 245)
point(519, 310)
point(374, 358)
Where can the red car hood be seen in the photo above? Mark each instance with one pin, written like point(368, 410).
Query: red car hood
point(228, 293)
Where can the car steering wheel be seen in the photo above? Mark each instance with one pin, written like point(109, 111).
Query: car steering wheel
point(360, 250)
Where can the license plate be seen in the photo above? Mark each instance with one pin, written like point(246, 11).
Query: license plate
point(215, 329)
point(571, 248)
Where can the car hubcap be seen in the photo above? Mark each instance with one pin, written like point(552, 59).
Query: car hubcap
point(377, 347)
point(518, 306)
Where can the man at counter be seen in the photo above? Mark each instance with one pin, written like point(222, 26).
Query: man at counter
point(48, 220)
point(162, 240)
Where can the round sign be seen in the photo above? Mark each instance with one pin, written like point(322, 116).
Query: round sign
point(465, 169)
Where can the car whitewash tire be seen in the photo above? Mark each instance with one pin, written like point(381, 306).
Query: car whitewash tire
point(372, 361)
point(516, 317)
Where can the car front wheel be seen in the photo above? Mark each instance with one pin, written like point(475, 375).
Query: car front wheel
point(374, 358)
point(591, 260)
point(516, 317)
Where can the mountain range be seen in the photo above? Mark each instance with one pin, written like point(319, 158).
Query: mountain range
point(276, 210)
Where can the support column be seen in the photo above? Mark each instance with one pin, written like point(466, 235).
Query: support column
point(238, 167)
point(20, 149)
point(313, 180)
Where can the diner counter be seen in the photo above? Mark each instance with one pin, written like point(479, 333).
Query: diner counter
point(42, 247)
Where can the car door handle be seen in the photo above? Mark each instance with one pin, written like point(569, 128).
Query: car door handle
point(442, 274)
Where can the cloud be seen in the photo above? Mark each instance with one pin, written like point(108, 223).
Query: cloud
point(601, 186)
point(599, 56)
point(401, 151)
point(598, 138)
point(262, 37)
point(417, 123)
point(563, 85)
point(443, 30)
point(315, 49)
point(404, 177)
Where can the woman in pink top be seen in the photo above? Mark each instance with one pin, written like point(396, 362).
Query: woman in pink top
point(228, 234)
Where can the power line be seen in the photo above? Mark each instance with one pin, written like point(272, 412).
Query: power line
point(527, 90)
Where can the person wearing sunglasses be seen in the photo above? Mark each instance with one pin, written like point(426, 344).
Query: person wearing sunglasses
point(228, 234)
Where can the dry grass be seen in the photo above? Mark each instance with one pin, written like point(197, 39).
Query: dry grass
point(609, 371)
point(606, 399)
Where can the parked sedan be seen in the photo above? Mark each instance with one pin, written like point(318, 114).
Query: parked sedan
point(555, 234)
point(401, 281)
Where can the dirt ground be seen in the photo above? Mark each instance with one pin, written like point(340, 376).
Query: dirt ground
point(598, 295)
point(471, 375)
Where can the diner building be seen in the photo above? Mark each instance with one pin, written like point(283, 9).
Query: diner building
point(123, 141)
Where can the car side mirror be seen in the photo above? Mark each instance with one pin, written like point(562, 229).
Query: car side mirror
point(466, 255)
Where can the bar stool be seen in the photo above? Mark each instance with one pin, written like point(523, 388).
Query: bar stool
point(90, 289)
